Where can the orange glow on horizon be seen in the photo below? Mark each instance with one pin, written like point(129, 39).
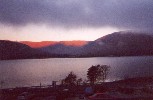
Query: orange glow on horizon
point(74, 43)
point(39, 33)
point(47, 43)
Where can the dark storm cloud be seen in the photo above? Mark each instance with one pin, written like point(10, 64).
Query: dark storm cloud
point(130, 14)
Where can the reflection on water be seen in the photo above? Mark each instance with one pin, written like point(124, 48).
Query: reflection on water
point(33, 71)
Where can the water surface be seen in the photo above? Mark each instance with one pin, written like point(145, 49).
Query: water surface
point(29, 72)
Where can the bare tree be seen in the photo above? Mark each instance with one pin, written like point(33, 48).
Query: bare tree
point(97, 73)
point(70, 79)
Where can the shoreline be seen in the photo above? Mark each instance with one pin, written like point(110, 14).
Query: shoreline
point(130, 87)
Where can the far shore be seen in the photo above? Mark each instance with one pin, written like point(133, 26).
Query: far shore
point(76, 57)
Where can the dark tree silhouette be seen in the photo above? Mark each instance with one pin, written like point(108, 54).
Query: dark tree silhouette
point(97, 73)
point(70, 79)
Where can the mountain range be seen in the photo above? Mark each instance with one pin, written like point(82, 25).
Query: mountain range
point(115, 44)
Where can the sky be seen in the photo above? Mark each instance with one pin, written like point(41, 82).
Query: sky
point(58, 20)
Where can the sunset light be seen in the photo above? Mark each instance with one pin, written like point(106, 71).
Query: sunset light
point(76, 49)
point(48, 33)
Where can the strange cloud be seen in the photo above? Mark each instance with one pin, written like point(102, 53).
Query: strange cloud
point(128, 14)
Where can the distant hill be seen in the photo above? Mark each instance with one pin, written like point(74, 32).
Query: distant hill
point(67, 48)
point(15, 50)
point(115, 44)
point(62, 49)
point(120, 44)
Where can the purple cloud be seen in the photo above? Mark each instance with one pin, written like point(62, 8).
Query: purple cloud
point(131, 14)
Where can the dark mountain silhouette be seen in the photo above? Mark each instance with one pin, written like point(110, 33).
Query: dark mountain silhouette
point(120, 44)
point(62, 49)
point(69, 48)
point(115, 44)
point(15, 50)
